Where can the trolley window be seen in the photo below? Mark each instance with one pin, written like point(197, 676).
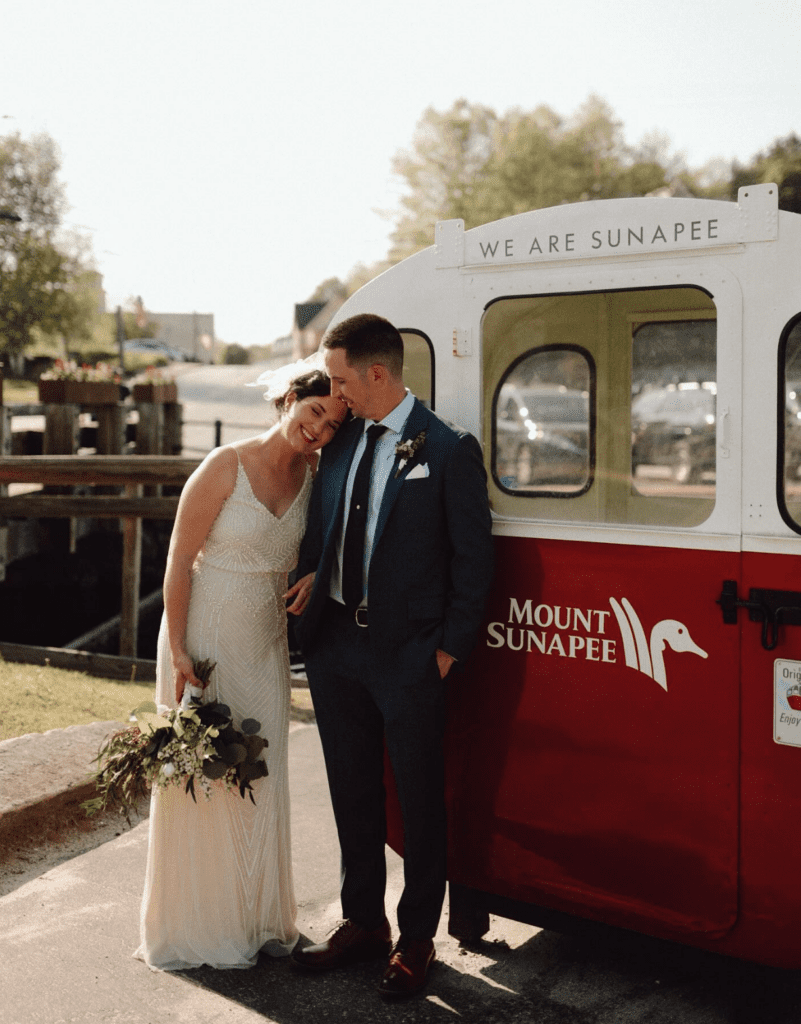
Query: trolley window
point(790, 425)
point(673, 416)
point(418, 365)
point(543, 427)
point(619, 392)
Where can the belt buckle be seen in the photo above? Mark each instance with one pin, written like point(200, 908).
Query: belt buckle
point(357, 616)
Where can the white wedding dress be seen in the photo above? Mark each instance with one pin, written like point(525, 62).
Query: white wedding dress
point(218, 886)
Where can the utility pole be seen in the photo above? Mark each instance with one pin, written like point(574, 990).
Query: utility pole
point(122, 337)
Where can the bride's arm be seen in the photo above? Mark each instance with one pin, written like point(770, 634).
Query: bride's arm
point(201, 500)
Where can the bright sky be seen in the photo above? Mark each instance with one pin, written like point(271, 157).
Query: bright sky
point(227, 157)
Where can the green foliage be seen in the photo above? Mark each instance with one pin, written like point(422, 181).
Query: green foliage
point(236, 355)
point(44, 280)
point(782, 164)
point(134, 329)
point(331, 288)
point(187, 746)
point(472, 164)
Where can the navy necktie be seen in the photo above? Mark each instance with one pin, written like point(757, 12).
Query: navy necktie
point(353, 550)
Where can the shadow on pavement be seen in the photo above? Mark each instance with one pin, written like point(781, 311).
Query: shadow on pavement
point(549, 978)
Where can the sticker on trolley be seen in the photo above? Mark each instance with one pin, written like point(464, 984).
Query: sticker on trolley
point(787, 702)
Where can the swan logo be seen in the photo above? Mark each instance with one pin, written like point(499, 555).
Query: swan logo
point(646, 656)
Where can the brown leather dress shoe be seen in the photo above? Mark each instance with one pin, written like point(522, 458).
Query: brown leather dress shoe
point(408, 968)
point(348, 944)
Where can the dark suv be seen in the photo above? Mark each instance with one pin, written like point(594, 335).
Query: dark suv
point(675, 427)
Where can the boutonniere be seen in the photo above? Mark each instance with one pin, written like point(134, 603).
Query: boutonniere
point(406, 450)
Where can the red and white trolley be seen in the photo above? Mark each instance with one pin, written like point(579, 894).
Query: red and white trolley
point(624, 745)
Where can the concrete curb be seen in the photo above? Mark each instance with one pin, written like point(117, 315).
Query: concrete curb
point(45, 777)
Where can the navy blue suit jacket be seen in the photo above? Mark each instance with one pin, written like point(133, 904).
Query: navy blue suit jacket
point(432, 558)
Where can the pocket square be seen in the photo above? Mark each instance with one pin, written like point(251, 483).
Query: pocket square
point(419, 471)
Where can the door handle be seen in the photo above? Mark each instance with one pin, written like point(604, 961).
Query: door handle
point(770, 607)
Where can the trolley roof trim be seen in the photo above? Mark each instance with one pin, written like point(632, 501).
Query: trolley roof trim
point(611, 227)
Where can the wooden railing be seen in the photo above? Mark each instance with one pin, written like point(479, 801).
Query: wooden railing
point(133, 473)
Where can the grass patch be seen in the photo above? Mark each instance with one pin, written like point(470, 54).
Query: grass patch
point(36, 698)
point(21, 391)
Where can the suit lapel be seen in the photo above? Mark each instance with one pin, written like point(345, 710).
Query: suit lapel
point(337, 476)
point(417, 421)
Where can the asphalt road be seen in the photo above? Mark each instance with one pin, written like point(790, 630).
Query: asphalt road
point(210, 393)
point(66, 939)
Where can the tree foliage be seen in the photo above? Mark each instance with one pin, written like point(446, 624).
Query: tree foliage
point(781, 164)
point(43, 282)
point(236, 355)
point(471, 163)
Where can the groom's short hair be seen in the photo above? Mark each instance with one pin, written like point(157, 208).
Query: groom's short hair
point(368, 339)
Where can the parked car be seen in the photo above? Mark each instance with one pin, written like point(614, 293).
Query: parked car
point(542, 436)
point(154, 347)
point(675, 427)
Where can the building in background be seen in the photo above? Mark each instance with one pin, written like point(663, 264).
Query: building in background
point(310, 323)
point(191, 333)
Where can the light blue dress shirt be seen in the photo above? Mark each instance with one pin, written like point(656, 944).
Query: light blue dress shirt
point(383, 462)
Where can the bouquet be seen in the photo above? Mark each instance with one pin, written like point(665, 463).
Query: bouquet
point(192, 745)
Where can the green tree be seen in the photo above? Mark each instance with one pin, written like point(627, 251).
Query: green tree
point(442, 172)
point(470, 163)
point(331, 288)
point(782, 164)
point(236, 355)
point(41, 270)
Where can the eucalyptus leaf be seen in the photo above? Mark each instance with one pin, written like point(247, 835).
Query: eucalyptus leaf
point(250, 726)
point(234, 753)
point(214, 769)
point(254, 770)
point(150, 723)
point(255, 745)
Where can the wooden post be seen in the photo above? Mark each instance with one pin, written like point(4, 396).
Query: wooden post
point(61, 429)
point(60, 438)
point(150, 429)
point(131, 571)
point(110, 428)
point(173, 427)
point(5, 449)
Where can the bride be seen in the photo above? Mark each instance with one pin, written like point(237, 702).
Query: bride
point(218, 886)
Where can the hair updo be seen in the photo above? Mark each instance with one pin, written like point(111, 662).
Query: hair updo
point(312, 384)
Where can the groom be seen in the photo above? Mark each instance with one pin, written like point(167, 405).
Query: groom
point(393, 573)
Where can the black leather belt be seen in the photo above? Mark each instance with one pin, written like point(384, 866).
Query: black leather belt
point(360, 616)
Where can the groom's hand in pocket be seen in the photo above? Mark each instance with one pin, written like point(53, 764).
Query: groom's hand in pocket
point(301, 592)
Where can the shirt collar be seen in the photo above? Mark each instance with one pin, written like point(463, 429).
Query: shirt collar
point(396, 420)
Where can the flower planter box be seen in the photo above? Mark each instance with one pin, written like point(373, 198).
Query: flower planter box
point(79, 392)
point(158, 393)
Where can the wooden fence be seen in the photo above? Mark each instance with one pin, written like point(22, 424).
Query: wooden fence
point(132, 473)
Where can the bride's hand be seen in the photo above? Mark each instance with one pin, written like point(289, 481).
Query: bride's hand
point(184, 674)
point(301, 592)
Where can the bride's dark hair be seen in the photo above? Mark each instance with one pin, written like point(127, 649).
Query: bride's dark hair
point(313, 384)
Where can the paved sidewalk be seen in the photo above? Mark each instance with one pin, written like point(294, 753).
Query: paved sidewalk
point(67, 935)
point(66, 940)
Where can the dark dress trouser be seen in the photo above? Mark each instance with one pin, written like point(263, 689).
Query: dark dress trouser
point(359, 706)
